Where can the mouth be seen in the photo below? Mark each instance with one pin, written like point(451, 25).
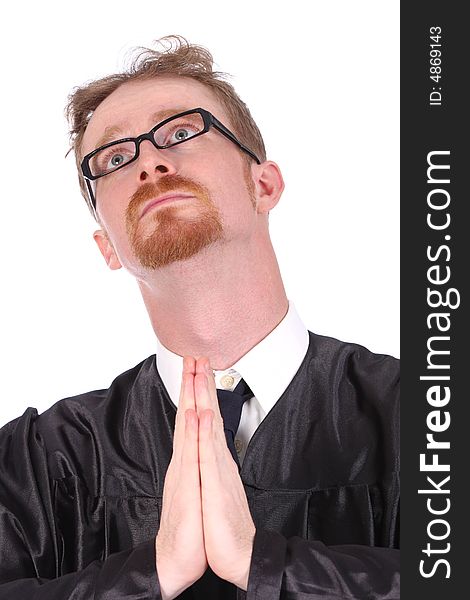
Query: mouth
point(163, 199)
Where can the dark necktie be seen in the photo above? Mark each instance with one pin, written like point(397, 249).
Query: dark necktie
point(231, 404)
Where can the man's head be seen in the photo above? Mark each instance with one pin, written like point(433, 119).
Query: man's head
point(204, 180)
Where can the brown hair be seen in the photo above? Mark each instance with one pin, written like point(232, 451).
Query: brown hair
point(177, 58)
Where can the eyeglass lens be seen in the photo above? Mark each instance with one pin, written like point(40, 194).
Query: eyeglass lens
point(173, 132)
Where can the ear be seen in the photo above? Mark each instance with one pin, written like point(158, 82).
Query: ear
point(269, 185)
point(107, 249)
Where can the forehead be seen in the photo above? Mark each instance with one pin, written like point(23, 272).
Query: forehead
point(132, 107)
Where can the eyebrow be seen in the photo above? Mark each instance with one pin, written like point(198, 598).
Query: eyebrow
point(110, 133)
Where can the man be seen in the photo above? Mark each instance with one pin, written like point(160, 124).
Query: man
point(264, 463)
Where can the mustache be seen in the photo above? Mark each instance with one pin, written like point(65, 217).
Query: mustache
point(170, 183)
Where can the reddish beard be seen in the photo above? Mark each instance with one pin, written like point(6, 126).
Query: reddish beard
point(173, 236)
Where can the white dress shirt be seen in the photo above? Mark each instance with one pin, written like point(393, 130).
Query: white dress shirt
point(267, 368)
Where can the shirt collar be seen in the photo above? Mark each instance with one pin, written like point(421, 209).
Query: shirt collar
point(267, 368)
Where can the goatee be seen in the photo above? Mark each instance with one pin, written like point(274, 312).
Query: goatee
point(174, 235)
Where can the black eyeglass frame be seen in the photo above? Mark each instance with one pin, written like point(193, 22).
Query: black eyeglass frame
point(209, 121)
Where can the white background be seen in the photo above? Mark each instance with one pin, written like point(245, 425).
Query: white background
point(321, 80)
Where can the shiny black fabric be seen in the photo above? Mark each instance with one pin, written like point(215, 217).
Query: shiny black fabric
point(81, 488)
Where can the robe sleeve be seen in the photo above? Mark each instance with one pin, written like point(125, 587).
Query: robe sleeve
point(29, 546)
point(297, 569)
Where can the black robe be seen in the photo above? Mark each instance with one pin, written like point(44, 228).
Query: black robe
point(81, 488)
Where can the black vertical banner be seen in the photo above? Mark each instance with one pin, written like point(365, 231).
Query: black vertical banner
point(435, 300)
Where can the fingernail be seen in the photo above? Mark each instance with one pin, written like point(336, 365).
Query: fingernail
point(208, 369)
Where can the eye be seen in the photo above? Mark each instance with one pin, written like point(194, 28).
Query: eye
point(117, 157)
point(116, 160)
point(179, 130)
point(110, 159)
point(182, 133)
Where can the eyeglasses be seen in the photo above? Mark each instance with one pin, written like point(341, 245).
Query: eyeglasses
point(175, 130)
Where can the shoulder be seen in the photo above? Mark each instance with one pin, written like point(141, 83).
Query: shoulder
point(80, 436)
point(354, 360)
point(357, 381)
point(359, 398)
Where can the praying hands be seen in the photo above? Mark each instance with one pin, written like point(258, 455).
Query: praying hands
point(205, 516)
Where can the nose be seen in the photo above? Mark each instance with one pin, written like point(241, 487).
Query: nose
point(153, 162)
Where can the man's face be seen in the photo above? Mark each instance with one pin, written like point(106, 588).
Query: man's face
point(207, 189)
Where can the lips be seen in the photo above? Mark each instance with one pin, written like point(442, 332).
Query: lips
point(164, 198)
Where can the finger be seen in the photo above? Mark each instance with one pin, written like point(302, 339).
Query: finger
point(190, 454)
point(187, 387)
point(204, 388)
point(203, 366)
point(212, 458)
point(207, 454)
point(186, 401)
point(205, 396)
point(189, 364)
point(212, 441)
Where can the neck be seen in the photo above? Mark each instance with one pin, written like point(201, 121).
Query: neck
point(219, 304)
